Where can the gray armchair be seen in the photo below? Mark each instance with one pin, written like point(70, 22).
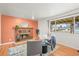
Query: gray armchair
point(34, 48)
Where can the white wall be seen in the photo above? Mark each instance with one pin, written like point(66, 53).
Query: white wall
point(68, 39)
point(43, 27)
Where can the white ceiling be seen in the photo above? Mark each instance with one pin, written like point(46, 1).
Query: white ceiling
point(36, 10)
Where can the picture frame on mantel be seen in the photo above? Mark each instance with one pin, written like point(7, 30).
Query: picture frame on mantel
point(24, 24)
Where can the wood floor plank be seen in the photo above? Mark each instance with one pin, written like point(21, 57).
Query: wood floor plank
point(64, 51)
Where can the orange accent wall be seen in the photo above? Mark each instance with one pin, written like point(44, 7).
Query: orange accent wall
point(7, 24)
point(0, 28)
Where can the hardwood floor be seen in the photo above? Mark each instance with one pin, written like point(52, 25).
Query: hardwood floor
point(62, 50)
